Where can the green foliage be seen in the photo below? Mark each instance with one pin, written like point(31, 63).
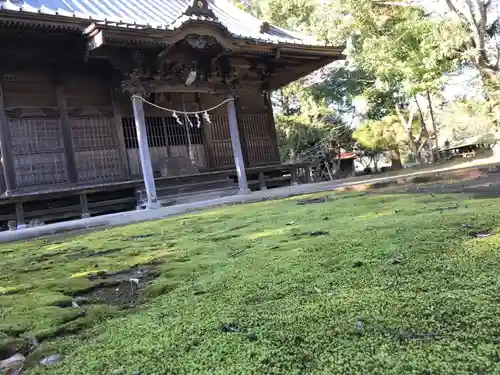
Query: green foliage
point(303, 113)
point(481, 20)
point(293, 14)
point(409, 52)
point(464, 119)
point(380, 135)
point(394, 52)
point(296, 134)
point(416, 294)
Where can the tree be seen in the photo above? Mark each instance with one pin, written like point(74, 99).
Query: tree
point(402, 53)
point(481, 18)
point(291, 14)
point(386, 134)
point(296, 134)
point(465, 119)
point(301, 132)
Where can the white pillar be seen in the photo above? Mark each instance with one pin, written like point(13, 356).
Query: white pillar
point(235, 141)
point(142, 140)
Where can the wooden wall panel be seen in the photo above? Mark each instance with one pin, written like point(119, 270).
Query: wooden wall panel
point(35, 129)
point(166, 139)
point(259, 128)
point(218, 131)
point(38, 151)
point(28, 89)
point(93, 129)
point(85, 91)
point(96, 152)
point(158, 156)
point(261, 150)
point(221, 140)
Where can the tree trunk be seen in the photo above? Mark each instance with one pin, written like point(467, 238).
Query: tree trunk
point(434, 128)
point(422, 144)
point(407, 124)
point(396, 160)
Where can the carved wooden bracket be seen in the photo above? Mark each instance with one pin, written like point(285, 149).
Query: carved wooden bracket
point(212, 30)
point(201, 42)
point(135, 86)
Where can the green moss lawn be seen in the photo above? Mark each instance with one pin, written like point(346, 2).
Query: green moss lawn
point(373, 284)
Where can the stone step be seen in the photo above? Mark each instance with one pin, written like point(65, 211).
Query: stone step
point(194, 187)
point(191, 192)
point(198, 196)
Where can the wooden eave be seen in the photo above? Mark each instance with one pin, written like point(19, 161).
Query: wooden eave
point(133, 34)
point(119, 35)
point(12, 18)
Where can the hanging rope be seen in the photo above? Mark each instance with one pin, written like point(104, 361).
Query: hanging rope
point(203, 112)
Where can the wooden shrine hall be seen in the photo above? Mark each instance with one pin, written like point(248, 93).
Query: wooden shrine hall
point(107, 106)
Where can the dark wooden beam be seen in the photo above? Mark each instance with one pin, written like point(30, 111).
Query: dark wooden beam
point(119, 136)
point(20, 215)
point(6, 148)
point(95, 40)
point(66, 132)
point(84, 205)
point(272, 125)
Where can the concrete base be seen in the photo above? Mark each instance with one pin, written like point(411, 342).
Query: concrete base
point(153, 206)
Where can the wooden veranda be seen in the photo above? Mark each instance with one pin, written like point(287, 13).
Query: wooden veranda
point(81, 96)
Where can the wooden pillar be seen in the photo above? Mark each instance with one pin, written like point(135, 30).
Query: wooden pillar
point(294, 181)
point(20, 215)
point(308, 173)
point(241, 129)
point(272, 125)
point(66, 133)
point(85, 205)
point(207, 136)
point(262, 181)
point(6, 149)
point(236, 143)
point(118, 135)
point(142, 140)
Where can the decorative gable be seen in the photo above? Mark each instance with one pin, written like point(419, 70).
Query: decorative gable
point(200, 8)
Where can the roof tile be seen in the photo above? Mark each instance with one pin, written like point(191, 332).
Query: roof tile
point(165, 14)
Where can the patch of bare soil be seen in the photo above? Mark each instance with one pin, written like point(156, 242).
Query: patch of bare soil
point(479, 187)
point(123, 288)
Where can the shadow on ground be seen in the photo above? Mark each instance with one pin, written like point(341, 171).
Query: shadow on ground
point(481, 187)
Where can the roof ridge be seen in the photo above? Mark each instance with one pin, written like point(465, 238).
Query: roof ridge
point(199, 10)
point(162, 14)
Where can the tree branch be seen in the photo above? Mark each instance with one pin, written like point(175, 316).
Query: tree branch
point(455, 10)
point(422, 145)
point(400, 115)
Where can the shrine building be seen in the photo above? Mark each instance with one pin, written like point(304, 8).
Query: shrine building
point(113, 105)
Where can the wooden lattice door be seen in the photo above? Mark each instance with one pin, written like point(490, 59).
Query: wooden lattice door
point(38, 151)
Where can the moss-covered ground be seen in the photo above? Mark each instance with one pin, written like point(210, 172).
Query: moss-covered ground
point(360, 284)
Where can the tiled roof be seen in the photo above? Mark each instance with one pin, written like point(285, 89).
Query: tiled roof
point(163, 14)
